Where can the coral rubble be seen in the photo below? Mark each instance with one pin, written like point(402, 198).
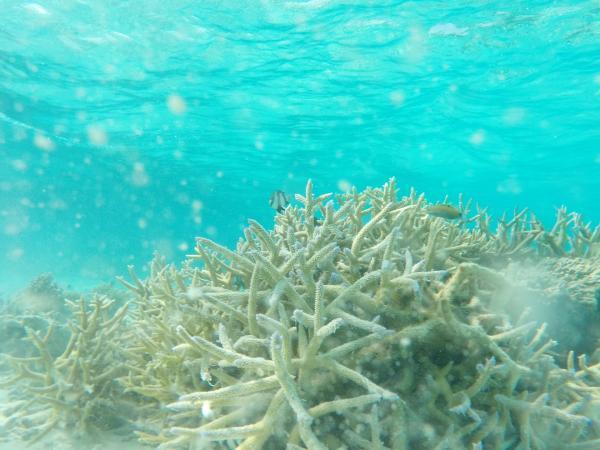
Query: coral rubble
point(360, 322)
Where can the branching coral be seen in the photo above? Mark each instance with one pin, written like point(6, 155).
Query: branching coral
point(359, 322)
point(76, 389)
point(367, 326)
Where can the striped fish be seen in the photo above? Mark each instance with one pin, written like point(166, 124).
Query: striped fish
point(279, 200)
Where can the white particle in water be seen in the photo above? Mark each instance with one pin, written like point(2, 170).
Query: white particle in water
point(207, 411)
point(509, 186)
point(405, 342)
point(196, 205)
point(16, 253)
point(513, 116)
point(37, 9)
point(477, 138)
point(97, 135)
point(11, 229)
point(20, 165)
point(397, 97)
point(344, 185)
point(447, 29)
point(139, 176)
point(176, 104)
point(43, 142)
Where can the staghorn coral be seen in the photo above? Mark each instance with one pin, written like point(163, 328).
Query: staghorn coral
point(74, 390)
point(359, 322)
point(369, 326)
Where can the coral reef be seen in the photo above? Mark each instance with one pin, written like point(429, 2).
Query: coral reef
point(76, 389)
point(42, 296)
point(559, 288)
point(370, 329)
point(358, 322)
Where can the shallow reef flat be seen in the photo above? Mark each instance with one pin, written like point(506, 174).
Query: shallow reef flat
point(360, 321)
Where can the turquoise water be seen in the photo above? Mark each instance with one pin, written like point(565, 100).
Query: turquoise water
point(132, 127)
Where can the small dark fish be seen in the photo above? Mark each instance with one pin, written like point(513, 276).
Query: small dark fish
point(279, 200)
point(444, 211)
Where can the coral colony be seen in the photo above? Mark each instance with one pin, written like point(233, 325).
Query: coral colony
point(359, 322)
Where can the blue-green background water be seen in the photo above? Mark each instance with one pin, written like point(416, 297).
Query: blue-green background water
point(133, 126)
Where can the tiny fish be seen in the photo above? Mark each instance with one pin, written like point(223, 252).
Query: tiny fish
point(279, 200)
point(444, 211)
